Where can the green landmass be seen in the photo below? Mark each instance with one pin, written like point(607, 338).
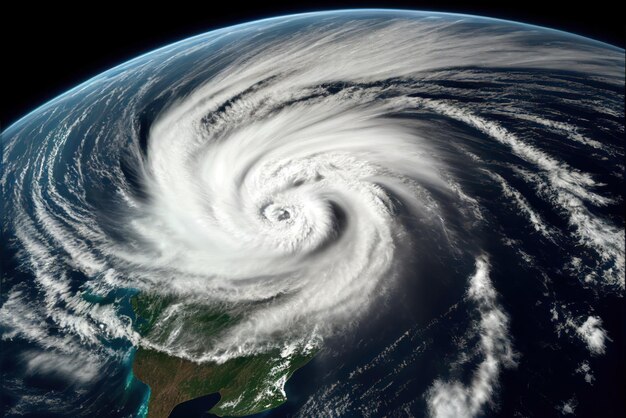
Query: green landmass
point(247, 385)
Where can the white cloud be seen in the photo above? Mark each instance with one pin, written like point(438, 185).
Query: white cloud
point(72, 368)
point(241, 215)
point(585, 369)
point(458, 400)
point(568, 407)
point(566, 187)
point(592, 333)
point(520, 201)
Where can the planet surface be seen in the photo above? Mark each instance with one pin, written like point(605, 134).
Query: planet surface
point(352, 213)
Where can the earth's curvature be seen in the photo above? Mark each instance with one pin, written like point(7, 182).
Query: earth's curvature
point(354, 213)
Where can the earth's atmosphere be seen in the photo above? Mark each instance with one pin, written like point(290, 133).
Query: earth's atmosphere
point(354, 213)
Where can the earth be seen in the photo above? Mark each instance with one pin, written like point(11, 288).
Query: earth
point(352, 213)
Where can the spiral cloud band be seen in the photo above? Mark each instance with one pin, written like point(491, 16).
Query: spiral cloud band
point(295, 172)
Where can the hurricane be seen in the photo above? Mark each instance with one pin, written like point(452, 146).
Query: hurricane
point(290, 179)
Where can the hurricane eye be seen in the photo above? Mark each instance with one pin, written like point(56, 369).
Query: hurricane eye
point(275, 212)
point(283, 214)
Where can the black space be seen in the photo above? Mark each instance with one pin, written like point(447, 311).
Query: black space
point(49, 49)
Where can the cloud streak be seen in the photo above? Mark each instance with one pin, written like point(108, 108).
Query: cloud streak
point(448, 399)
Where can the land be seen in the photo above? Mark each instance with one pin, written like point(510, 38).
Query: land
point(247, 385)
